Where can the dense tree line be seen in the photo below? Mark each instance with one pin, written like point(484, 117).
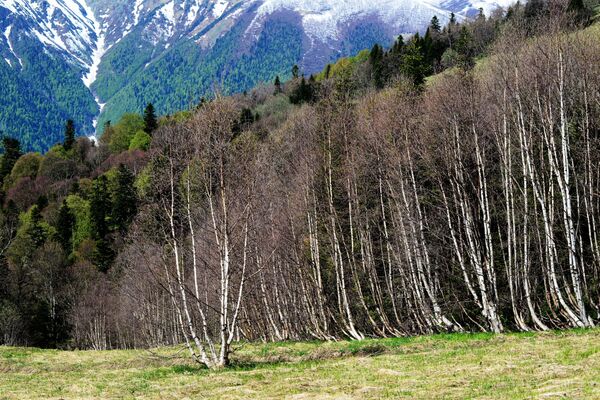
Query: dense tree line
point(372, 200)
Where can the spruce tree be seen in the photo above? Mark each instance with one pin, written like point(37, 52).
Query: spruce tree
point(435, 24)
point(36, 231)
point(100, 206)
point(580, 12)
point(303, 93)
point(103, 255)
point(295, 72)
point(277, 85)
point(452, 19)
point(150, 121)
point(124, 199)
point(12, 152)
point(376, 61)
point(64, 227)
point(69, 139)
point(328, 71)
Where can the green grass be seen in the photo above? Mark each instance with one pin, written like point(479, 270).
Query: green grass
point(467, 366)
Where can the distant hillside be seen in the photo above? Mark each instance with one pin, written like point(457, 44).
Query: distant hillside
point(93, 60)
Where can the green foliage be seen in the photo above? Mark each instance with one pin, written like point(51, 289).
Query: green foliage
point(414, 64)
point(344, 67)
point(27, 165)
point(124, 132)
point(33, 229)
point(82, 227)
point(140, 141)
point(275, 108)
point(143, 181)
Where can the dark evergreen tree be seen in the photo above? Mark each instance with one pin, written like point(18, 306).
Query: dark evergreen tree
point(150, 121)
point(124, 199)
point(100, 206)
point(452, 21)
point(295, 72)
point(64, 227)
point(414, 64)
point(36, 231)
point(12, 152)
point(277, 85)
point(581, 13)
point(434, 25)
point(42, 202)
point(103, 255)
point(328, 71)
point(69, 139)
point(303, 93)
point(534, 9)
point(464, 47)
point(376, 62)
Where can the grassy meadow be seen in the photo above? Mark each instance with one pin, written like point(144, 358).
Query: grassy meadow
point(462, 366)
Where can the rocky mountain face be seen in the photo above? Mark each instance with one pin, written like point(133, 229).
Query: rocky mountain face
point(93, 60)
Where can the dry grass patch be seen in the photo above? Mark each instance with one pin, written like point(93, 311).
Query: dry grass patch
point(472, 366)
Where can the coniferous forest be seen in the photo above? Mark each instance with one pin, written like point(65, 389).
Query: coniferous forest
point(449, 183)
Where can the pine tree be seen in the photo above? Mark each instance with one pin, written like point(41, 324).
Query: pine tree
point(69, 139)
point(36, 230)
point(295, 72)
point(64, 227)
point(464, 46)
point(452, 21)
point(42, 202)
point(124, 199)
point(414, 64)
point(12, 152)
point(435, 24)
point(398, 45)
point(277, 85)
point(100, 206)
point(303, 93)
point(150, 122)
point(580, 12)
point(103, 255)
point(376, 61)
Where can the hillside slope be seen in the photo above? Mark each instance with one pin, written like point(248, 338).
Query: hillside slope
point(78, 58)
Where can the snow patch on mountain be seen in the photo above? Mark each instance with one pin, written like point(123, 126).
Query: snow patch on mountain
point(219, 8)
point(137, 10)
point(66, 25)
point(7, 33)
point(99, 48)
point(323, 19)
point(192, 13)
point(168, 11)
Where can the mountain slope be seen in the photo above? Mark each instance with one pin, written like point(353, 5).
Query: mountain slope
point(76, 59)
